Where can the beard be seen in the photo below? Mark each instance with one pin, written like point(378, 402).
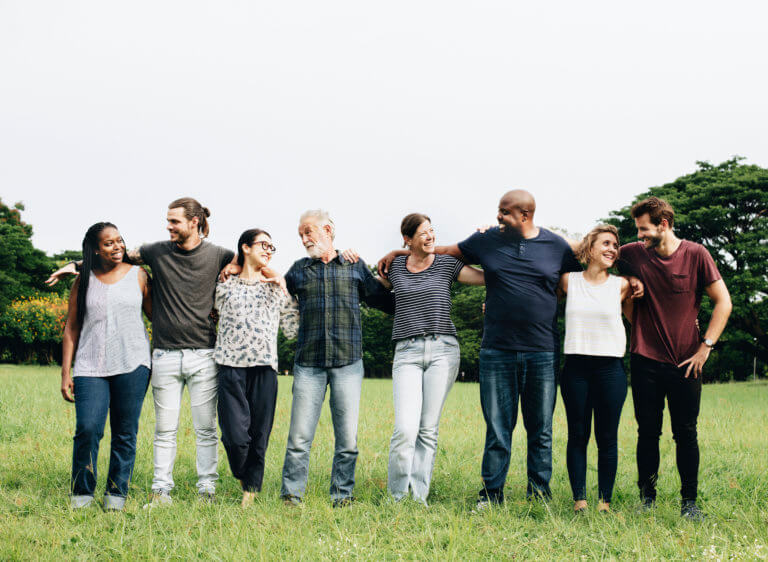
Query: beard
point(315, 251)
point(652, 241)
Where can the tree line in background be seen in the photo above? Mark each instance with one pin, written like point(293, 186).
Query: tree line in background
point(724, 207)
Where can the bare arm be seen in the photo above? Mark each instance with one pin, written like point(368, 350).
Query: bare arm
point(721, 298)
point(384, 263)
point(562, 286)
point(471, 276)
point(452, 250)
point(69, 344)
point(627, 304)
point(135, 256)
point(145, 284)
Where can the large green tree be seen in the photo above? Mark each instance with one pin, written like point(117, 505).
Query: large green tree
point(725, 208)
point(23, 268)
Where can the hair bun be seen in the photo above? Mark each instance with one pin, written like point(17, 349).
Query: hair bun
point(206, 211)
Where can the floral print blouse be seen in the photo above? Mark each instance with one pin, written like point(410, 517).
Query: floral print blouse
point(250, 312)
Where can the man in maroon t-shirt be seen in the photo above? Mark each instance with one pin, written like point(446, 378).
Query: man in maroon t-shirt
point(668, 352)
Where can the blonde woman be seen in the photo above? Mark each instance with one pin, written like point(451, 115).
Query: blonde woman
point(593, 380)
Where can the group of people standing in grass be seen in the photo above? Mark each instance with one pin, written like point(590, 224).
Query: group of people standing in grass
point(525, 269)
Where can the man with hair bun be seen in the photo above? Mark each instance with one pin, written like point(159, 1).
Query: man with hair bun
point(668, 350)
point(184, 270)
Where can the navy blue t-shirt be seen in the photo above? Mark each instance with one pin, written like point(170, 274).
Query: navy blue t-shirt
point(521, 276)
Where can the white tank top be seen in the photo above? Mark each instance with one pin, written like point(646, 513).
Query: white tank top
point(593, 323)
point(113, 339)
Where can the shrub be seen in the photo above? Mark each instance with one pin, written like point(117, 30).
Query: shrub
point(31, 329)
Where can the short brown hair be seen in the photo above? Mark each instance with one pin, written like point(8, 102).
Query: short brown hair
point(411, 223)
point(582, 252)
point(193, 208)
point(656, 209)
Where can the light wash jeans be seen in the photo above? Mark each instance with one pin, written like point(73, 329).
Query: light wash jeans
point(171, 371)
point(309, 384)
point(423, 372)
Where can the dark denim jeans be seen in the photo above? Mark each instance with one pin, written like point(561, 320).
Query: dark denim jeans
point(507, 378)
point(122, 396)
point(652, 382)
point(593, 384)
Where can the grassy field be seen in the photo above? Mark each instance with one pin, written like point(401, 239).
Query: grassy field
point(36, 428)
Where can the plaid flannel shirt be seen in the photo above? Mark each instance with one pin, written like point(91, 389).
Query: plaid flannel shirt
point(329, 297)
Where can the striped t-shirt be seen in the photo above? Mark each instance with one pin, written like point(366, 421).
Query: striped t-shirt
point(423, 300)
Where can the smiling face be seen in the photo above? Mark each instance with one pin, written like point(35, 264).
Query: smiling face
point(423, 240)
point(315, 238)
point(648, 233)
point(604, 250)
point(111, 248)
point(510, 216)
point(179, 226)
point(259, 253)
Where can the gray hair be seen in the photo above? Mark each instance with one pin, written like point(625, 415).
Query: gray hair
point(322, 217)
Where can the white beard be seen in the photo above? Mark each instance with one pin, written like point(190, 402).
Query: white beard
point(315, 252)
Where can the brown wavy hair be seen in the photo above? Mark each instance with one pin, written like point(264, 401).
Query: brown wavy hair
point(193, 208)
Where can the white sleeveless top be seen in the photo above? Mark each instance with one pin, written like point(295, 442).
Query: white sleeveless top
point(593, 323)
point(113, 339)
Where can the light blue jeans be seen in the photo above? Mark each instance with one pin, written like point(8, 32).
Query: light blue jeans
point(423, 372)
point(172, 370)
point(309, 384)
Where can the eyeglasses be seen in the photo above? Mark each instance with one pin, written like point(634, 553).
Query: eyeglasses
point(267, 246)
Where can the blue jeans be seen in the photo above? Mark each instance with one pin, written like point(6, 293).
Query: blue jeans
point(122, 396)
point(423, 373)
point(505, 379)
point(309, 384)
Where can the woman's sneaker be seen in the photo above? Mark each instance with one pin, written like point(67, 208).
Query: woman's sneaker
point(691, 511)
point(79, 502)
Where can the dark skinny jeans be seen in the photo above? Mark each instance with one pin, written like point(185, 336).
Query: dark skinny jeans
point(593, 384)
point(652, 381)
point(247, 398)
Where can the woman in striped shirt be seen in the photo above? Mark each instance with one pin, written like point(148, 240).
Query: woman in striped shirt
point(426, 353)
point(593, 378)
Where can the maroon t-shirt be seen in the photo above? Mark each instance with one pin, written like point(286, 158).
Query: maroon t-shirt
point(664, 320)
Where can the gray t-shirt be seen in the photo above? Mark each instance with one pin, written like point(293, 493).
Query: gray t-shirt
point(183, 287)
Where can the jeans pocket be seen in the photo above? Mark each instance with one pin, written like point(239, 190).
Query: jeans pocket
point(403, 345)
point(158, 353)
point(204, 353)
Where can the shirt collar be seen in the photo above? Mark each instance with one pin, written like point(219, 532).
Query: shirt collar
point(314, 261)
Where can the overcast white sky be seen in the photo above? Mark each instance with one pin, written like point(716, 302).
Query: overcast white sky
point(108, 111)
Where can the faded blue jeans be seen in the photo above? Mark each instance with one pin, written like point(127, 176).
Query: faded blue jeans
point(506, 378)
point(423, 372)
point(309, 384)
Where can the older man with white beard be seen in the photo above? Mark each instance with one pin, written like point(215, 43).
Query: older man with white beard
point(329, 352)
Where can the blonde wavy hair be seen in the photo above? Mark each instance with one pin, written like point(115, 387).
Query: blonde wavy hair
point(584, 249)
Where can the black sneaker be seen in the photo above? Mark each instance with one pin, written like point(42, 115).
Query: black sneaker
point(647, 505)
point(343, 502)
point(691, 511)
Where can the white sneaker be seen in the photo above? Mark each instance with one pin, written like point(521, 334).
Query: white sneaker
point(79, 502)
point(159, 499)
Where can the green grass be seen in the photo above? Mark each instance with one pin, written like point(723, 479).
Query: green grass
point(36, 428)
